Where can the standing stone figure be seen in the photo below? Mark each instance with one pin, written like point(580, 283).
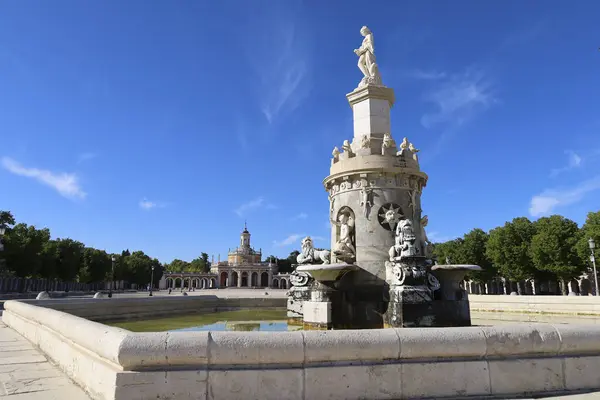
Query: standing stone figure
point(366, 59)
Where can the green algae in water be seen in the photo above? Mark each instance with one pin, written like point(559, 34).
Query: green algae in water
point(264, 320)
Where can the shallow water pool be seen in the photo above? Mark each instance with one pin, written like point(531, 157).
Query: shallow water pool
point(276, 321)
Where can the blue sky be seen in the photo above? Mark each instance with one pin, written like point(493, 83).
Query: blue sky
point(163, 125)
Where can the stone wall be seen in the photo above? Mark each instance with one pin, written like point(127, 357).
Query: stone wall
point(22, 285)
point(505, 360)
point(567, 305)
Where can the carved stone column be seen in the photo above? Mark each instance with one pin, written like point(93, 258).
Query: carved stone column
point(239, 282)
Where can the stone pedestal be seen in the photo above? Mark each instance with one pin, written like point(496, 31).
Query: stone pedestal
point(297, 295)
point(410, 306)
point(451, 305)
point(318, 310)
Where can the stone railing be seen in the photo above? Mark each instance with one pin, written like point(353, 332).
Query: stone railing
point(505, 360)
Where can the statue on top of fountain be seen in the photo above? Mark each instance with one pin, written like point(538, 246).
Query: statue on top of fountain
point(366, 60)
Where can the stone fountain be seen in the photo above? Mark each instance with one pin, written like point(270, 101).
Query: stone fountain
point(379, 272)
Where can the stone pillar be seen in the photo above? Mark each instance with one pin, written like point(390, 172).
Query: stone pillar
point(239, 282)
point(317, 311)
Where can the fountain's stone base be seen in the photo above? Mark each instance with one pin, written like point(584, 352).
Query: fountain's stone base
point(297, 295)
point(317, 315)
point(410, 306)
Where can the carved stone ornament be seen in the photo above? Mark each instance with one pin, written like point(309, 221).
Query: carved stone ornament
point(300, 278)
point(404, 246)
point(347, 148)
point(310, 255)
point(365, 142)
point(387, 143)
point(388, 216)
point(394, 273)
point(366, 59)
point(433, 282)
point(366, 201)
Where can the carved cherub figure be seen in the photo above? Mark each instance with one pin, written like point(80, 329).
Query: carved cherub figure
point(344, 245)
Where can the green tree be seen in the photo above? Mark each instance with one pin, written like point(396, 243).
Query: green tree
point(590, 229)
point(473, 252)
point(509, 249)
point(200, 264)
point(177, 265)
point(23, 249)
point(554, 248)
point(6, 218)
point(450, 251)
point(69, 258)
point(96, 264)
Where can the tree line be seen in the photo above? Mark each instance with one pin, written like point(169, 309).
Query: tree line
point(550, 248)
point(30, 252)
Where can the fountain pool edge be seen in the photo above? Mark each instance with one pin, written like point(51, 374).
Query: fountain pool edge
point(112, 363)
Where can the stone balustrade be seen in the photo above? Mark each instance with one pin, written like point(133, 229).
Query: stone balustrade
point(504, 360)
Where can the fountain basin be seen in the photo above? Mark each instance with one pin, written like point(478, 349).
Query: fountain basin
point(327, 272)
point(450, 277)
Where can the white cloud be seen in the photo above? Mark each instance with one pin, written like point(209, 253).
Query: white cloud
point(574, 161)
point(435, 237)
point(295, 238)
point(278, 53)
point(291, 239)
point(148, 205)
point(426, 75)
point(458, 98)
point(64, 183)
point(253, 205)
point(85, 157)
point(546, 202)
point(302, 215)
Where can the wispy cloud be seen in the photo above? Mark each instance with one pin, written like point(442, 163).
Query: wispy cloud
point(546, 202)
point(458, 98)
point(148, 205)
point(258, 202)
point(83, 157)
point(279, 54)
point(426, 75)
point(436, 237)
point(66, 184)
point(574, 161)
point(291, 239)
point(295, 238)
point(302, 215)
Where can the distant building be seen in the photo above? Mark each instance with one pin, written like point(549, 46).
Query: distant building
point(244, 268)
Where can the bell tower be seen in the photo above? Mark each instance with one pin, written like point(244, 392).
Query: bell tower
point(245, 239)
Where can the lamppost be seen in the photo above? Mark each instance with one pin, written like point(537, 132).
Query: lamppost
point(592, 245)
point(2, 230)
point(151, 280)
point(112, 276)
